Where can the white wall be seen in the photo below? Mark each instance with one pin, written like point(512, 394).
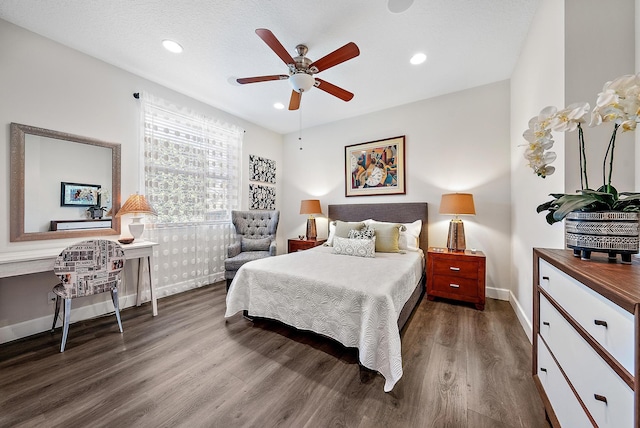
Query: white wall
point(567, 57)
point(456, 142)
point(48, 85)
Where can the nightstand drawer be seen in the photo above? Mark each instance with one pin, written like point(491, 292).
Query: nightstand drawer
point(455, 286)
point(456, 267)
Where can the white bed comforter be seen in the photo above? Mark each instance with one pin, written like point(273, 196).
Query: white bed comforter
point(353, 300)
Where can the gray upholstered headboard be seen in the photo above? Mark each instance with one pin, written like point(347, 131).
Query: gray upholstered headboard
point(396, 212)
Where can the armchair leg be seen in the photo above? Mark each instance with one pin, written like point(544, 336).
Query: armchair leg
point(229, 283)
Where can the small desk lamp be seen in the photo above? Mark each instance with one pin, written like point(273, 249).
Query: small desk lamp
point(136, 205)
point(311, 207)
point(457, 204)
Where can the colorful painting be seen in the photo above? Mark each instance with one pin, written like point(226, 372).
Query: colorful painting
point(261, 169)
point(262, 197)
point(79, 195)
point(375, 168)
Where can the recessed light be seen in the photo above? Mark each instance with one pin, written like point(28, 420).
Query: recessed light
point(279, 106)
point(418, 58)
point(172, 46)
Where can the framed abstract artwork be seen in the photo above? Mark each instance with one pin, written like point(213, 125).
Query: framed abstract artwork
point(262, 197)
point(261, 169)
point(375, 168)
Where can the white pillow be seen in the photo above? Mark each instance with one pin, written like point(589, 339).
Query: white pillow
point(354, 247)
point(332, 234)
point(409, 238)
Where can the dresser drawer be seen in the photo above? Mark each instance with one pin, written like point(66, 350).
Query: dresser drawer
point(455, 286)
point(456, 267)
point(589, 374)
point(592, 312)
point(565, 404)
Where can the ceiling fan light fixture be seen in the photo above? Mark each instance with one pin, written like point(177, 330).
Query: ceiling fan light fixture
point(278, 106)
point(301, 82)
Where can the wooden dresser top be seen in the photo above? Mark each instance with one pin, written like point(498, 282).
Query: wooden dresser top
point(617, 282)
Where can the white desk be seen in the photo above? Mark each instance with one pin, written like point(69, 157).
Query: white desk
point(26, 262)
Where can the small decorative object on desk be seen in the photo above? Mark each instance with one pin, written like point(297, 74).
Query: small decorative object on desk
point(600, 220)
point(301, 237)
point(125, 240)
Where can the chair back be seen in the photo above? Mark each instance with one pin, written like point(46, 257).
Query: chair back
point(90, 267)
point(256, 224)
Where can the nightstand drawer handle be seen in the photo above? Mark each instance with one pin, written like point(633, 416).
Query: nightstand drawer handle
point(600, 398)
point(542, 369)
point(600, 322)
point(454, 268)
point(454, 286)
point(545, 323)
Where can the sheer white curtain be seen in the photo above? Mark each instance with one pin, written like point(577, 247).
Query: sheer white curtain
point(192, 179)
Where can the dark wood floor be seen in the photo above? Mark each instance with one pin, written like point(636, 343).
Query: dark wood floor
point(189, 367)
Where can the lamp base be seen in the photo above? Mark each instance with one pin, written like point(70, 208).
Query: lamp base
point(136, 228)
point(455, 240)
point(312, 233)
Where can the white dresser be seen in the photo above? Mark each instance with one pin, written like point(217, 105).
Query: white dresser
point(586, 326)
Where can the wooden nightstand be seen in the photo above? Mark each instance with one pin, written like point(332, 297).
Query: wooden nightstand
point(303, 244)
point(456, 275)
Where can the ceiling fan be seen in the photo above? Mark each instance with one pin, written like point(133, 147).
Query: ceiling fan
point(302, 69)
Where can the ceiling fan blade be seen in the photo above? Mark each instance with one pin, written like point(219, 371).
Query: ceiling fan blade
point(294, 103)
point(334, 90)
point(257, 79)
point(340, 55)
point(275, 45)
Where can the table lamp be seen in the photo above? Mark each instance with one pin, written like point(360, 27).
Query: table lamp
point(457, 204)
point(311, 207)
point(136, 205)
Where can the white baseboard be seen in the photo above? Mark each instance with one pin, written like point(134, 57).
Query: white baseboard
point(522, 317)
point(497, 293)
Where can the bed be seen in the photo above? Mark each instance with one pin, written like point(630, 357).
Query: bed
point(360, 302)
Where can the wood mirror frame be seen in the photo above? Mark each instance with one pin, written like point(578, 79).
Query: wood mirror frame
point(17, 181)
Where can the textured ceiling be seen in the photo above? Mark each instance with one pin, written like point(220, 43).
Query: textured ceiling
point(468, 43)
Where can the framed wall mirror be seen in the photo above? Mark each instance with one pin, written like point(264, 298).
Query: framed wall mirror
point(45, 163)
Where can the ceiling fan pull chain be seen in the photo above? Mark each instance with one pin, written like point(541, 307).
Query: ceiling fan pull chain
point(300, 133)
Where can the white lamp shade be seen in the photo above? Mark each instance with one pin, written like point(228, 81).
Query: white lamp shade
point(301, 82)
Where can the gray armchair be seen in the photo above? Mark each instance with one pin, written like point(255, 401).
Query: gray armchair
point(255, 239)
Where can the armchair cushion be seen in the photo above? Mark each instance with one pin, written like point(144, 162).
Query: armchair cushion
point(249, 244)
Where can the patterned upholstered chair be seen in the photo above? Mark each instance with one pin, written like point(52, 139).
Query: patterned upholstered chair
point(255, 239)
point(86, 268)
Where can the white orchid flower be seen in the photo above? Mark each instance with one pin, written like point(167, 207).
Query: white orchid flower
point(567, 120)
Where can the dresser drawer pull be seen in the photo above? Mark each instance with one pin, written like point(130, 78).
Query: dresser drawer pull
point(600, 398)
point(545, 278)
point(542, 369)
point(545, 323)
point(454, 268)
point(600, 322)
point(454, 286)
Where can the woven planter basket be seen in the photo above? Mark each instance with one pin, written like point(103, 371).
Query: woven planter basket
point(612, 232)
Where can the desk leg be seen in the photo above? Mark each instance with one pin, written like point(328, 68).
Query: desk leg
point(152, 288)
point(140, 279)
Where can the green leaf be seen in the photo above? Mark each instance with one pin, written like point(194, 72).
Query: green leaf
point(570, 203)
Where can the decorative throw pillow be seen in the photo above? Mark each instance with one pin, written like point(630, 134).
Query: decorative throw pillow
point(332, 234)
point(366, 232)
point(343, 227)
point(354, 247)
point(387, 235)
point(409, 238)
point(261, 244)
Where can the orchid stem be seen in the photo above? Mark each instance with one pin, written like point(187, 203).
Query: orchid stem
point(610, 149)
point(584, 180)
